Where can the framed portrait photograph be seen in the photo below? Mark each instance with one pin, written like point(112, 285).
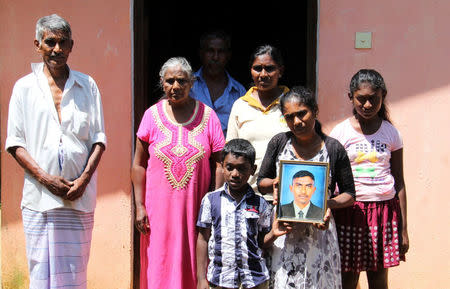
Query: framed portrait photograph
point(302, 191)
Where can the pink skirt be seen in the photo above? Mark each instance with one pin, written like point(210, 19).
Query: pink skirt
point(369, 235)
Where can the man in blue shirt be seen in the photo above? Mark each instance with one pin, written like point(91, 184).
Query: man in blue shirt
point(214, 86)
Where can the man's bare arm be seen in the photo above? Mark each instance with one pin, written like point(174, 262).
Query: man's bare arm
point(79, 185)
point(55, 184)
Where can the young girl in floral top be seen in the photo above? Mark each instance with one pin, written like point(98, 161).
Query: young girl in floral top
point(373, 233)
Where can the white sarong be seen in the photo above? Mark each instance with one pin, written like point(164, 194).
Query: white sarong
point(58, 245)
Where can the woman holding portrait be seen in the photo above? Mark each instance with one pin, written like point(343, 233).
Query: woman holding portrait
point(177, 160)
point(307, 256)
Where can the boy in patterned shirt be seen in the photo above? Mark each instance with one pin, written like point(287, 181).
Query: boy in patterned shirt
point(233, 223)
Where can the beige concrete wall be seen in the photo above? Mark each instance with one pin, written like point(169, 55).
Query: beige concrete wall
point(102, 35)
point(411, 50)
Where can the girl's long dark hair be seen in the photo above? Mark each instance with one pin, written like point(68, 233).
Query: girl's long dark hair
point(376, 81)
point(303, 95)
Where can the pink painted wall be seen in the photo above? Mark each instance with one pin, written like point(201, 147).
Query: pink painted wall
point(102, 35)
point(410, 48)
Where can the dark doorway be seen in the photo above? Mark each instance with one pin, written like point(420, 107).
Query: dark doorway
point(164, 29)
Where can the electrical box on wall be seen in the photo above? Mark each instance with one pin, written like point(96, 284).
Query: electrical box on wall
point(363, 40)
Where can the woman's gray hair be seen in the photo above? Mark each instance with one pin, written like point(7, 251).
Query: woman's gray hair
point(181, 62)
point(52, 23)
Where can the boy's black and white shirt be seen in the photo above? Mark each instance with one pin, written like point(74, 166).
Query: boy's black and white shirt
point(233, 249)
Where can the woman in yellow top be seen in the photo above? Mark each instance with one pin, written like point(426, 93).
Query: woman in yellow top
point(256, 116)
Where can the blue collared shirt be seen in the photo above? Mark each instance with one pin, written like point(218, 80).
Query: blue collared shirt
point(222, 105)
point(233, 250)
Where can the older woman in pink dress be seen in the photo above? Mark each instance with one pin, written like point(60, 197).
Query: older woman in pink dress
point(176, 162)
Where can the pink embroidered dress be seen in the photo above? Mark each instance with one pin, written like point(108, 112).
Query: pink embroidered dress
point(178, 176)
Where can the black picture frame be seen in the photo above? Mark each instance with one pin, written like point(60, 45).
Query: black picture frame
point(308, 194)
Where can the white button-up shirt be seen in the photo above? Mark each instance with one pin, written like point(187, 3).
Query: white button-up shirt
point(33, 124)
point(304, 210)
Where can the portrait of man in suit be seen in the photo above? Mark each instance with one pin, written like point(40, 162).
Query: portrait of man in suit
point(302, 189)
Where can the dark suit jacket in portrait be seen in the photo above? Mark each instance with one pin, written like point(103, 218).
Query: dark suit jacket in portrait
point(314, 212)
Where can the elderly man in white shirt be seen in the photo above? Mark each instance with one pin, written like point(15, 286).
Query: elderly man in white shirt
point(56, 133)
